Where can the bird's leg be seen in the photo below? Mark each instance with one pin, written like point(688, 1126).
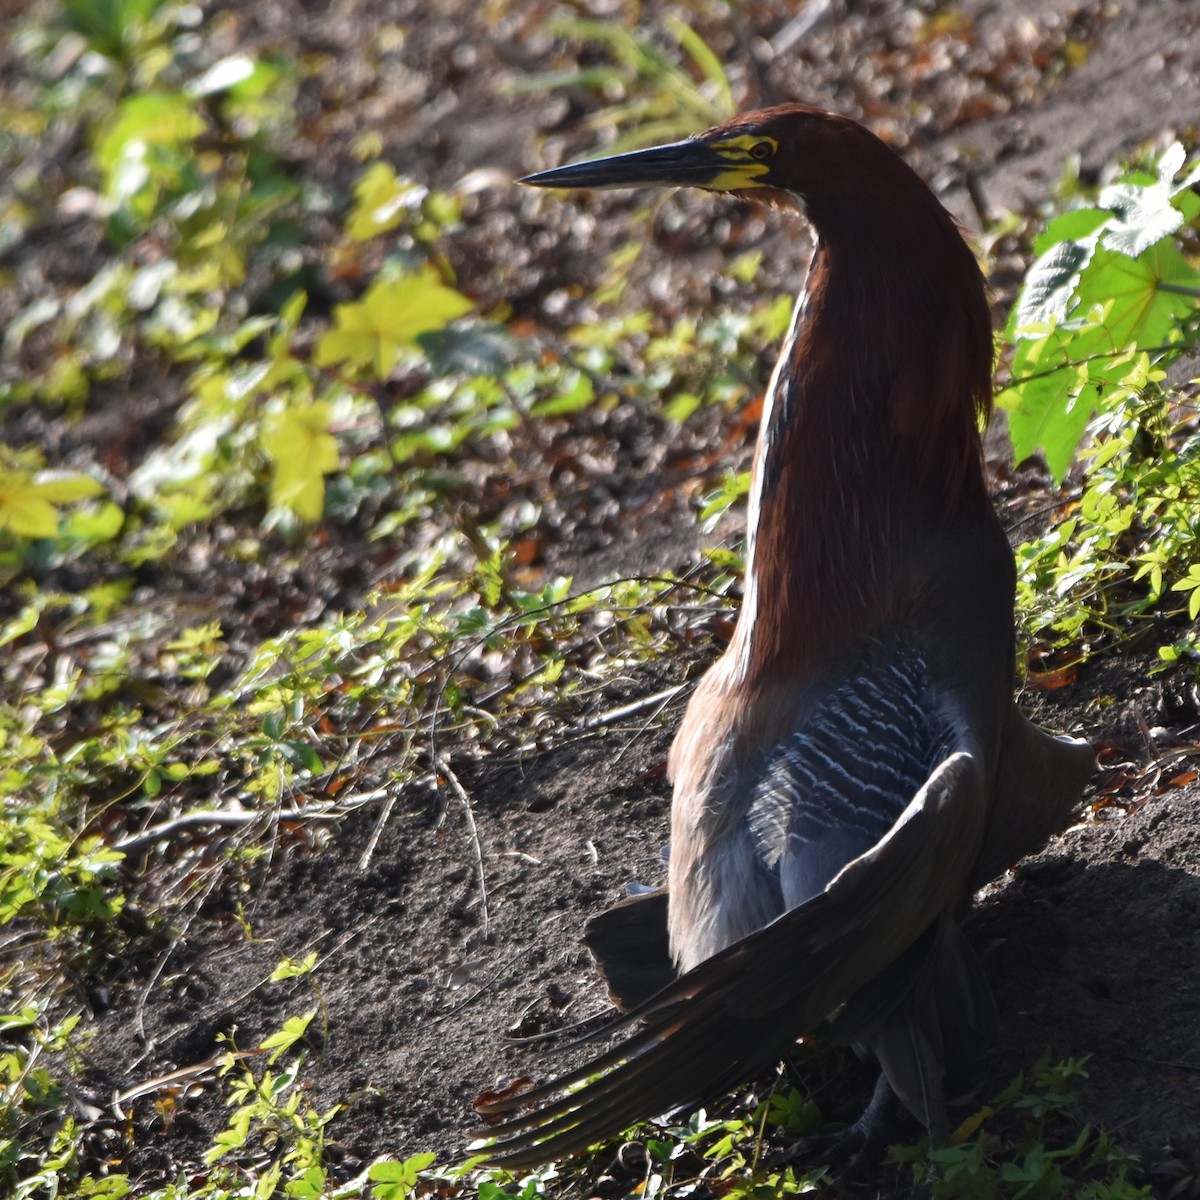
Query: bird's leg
point(857, 1146)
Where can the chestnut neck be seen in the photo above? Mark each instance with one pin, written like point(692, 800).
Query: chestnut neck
point(869, 438)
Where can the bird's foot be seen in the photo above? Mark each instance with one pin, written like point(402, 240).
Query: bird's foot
point(851, 1151)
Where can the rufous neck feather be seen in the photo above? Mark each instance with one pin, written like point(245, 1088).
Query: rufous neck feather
point(869, 433)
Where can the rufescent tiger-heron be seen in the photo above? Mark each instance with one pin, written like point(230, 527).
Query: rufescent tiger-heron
point(854, 766)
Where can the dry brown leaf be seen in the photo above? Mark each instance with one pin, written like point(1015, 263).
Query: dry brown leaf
point(513, 1088)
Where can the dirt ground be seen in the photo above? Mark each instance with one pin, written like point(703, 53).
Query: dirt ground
point(1093, 946)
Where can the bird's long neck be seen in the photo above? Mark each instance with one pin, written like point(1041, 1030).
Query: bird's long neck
point(869, 440)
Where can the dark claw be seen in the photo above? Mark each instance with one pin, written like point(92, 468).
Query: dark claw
point(856, 1148)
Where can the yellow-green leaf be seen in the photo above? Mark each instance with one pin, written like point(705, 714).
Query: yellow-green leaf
point(289, 968)
point(27, 503)
point(302, 453)
point(380, 198)
point(294, 1028)
point(390, 317)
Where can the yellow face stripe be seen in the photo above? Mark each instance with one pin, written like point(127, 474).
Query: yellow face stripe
point(744, 171)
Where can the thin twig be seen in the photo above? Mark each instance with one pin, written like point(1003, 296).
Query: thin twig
point(487, 985)
point(1065, 497)
point(1087, 358)
point(385, 814)
point(422, 781)
point(1156, 1062)
point(811, 18)
point(658, 699)
point(457, 788)
point(667, 697)
point(1152, 751)
point(176, 1078)
point(205, 885)
point(239, 818)
point(222, 818)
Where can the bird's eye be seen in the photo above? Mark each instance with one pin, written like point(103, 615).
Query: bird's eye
point(760, 150)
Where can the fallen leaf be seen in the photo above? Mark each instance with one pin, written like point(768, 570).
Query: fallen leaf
point(1049, 681)
point(487, 1098)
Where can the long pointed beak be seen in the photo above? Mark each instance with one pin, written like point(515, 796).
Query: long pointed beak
point(692, 163)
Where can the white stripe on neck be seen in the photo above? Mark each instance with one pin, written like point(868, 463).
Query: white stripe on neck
point(766, 441)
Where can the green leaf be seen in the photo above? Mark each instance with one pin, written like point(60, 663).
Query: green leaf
point(380, 201)
point(1143, 314)
point(1050, 285)
point(477, 349)
point(1141, 217)
point(112, 1187)
point(308, 1185)
point(111, 26)
point(1075, 226)
point(1050, 401)
point(149, 119)
point(575, 394)
point(396, 1180)
point(302, 453)
point(1059, 437)
point(291, 968)
point(391, 316)
point(1190, 583)
point(97, 523)
point(27, 503)
point(294, 1028)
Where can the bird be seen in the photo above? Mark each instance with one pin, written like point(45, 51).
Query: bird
point(854, 766)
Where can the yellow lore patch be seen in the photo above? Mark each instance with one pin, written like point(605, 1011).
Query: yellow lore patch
point(749, 156)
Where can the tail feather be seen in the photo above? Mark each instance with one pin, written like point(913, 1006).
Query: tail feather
point(1040, 780)
point(632, 948)
point(741, 1010)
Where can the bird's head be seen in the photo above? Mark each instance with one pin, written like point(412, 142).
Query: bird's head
point(896, 309)
point(790, 155)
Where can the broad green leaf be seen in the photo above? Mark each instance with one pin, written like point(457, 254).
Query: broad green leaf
point(1050, 284)
point(1188, 203)
point(1141, 217)
point(477, 349)
point(27, 503)
point(308, 1185)
point(390, 317)
point(380, 200)
point(63, 487)
point(1142, 315)
point(1052, 394)
point(152, 118)
point(302, 453)
point(101, 524)
point(1074, 226)
point(1048, 411)
point(395, 1180)
point(143, 151)
point(294, 1028)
